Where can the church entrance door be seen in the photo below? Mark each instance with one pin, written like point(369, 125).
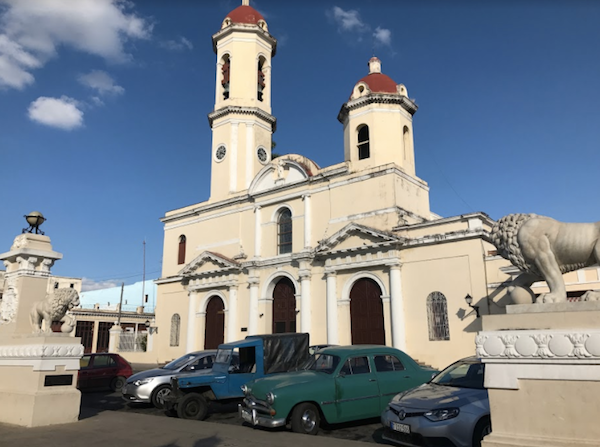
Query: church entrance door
point(284, 307)
point(366, 313)
point(215, 323)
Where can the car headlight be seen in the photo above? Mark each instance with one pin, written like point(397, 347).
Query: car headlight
point(442, 414)
point(143, 381)
point(270, 398)
point(245, 390)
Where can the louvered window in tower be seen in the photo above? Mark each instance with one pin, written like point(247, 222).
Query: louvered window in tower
point(261, 79)
point(181, 250)
point(437, 317)
point(226, 76)
point(363, 142)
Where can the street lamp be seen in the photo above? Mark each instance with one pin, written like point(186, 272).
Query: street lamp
point(34, 219)
point(469, 300)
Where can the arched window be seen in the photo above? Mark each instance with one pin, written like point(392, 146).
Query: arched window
point(181, 250)
point(363, 142)
point(406, 141)
point(261, 79)
point(175, 329)
point(226, 76)
point(284, 231)
point(437, 317)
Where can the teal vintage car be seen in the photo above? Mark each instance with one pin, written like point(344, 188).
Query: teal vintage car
point(338, 384)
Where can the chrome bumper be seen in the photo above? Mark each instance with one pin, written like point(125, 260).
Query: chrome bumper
point(252, 417)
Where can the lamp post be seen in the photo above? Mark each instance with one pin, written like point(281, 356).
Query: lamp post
point(34, 219)
point(469, 300)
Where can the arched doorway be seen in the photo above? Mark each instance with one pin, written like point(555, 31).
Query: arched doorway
point(366, 313)
point(215, 323)
point(284, 306)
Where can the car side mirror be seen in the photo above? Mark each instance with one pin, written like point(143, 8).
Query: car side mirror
point(233, 368)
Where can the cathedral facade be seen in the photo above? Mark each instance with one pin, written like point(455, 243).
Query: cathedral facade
point(350, 253)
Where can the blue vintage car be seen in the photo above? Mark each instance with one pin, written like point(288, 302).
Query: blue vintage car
point(259, 356)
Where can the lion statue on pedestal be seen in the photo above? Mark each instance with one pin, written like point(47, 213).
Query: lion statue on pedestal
point(544, 249)
point(54, 308)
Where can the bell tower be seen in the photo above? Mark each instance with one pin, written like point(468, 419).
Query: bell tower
point(242, 124)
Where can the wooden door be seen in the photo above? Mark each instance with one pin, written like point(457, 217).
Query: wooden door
point(284, 307)
point(366, 313)
point(214, 332)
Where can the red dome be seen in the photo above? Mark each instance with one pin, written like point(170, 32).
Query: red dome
point(380, 83)
point(245, 14)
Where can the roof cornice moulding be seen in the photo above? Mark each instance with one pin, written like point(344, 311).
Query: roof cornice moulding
point(376, 98)
point(229, 110)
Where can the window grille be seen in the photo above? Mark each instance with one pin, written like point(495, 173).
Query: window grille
point(284, 226)
point(175, 323)
point(437, 317)
point(133, 342)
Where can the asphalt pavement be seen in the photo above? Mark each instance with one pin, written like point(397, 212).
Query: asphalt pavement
point(115, 429)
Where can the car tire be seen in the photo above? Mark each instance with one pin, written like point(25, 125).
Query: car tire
point(305, 419)
point(117, 383)
point(192, 406)
point(157, 397)
point(482, 428)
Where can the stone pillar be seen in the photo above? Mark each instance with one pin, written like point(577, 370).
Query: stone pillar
point(38, 369)
point(305, 316)
point(332, 309)
point(232, 324)
point(307, 221)
point(257, 232)
point(114, 336)
point(397, 304)
point(253, 316)
point(542, 374)
point(190, 344)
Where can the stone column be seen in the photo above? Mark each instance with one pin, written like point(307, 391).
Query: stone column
point(232, 325)
point(307, 221)
point(114, 336)
point(332, 311)
point(257, 232)
point(190, 344)
point(253, 316)
point(397, 302)
point(305, 316)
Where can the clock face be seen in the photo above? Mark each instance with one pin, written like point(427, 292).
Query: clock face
point(220, 154)
point(262, 154)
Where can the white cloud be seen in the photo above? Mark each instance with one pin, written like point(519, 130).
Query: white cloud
point(177, 45)
point(88, 284)
point(102, 82)
point(348, 20)
point(383, 36)
point(31, 31)
point(62, 112)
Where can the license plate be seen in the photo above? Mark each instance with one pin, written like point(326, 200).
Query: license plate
point(246, 415)
point(402, 428)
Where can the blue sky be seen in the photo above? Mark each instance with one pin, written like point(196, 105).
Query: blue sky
point(103, 108)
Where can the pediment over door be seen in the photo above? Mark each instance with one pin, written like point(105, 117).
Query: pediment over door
point(356, 237)
point(209, 262)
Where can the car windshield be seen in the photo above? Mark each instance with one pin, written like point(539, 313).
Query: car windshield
point(181, 361)
point(322, 363)
point(224, 356)
point(462, 375)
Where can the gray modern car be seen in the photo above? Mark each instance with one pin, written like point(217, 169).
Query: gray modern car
point(153, 385)
point(451, 410)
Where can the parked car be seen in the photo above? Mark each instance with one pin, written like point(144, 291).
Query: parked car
point(153, 385)
point(340, 384)
point(312, 350)
point(259, 355)
point(103, 370)
point(452, 409)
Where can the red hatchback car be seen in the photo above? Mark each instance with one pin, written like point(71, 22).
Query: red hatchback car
point(103, 370)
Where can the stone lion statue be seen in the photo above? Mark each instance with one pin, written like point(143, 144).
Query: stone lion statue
point(544, 249)
point(54, 308)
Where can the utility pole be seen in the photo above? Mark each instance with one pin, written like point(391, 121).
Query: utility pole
point(144, 277)
point(120, 305)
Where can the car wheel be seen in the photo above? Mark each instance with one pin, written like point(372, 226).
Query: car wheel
point(305, 419)
point(192, 406)
point(483, 427)
point(159, 394)
point(117, 383)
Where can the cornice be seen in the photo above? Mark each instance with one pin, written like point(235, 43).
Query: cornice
point(255, 111)
point(244, 28)
point(376, 98)
point(479, 214)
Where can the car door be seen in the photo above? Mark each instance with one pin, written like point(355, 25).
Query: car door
point(393, 377)
point(357, 392)
point(104, 369)
point(242, 370)
point(85, 368)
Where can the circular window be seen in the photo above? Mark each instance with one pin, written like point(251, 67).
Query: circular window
point(262, 155)
point(220, 153)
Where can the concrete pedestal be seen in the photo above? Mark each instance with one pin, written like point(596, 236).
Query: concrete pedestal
point(543, 374)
